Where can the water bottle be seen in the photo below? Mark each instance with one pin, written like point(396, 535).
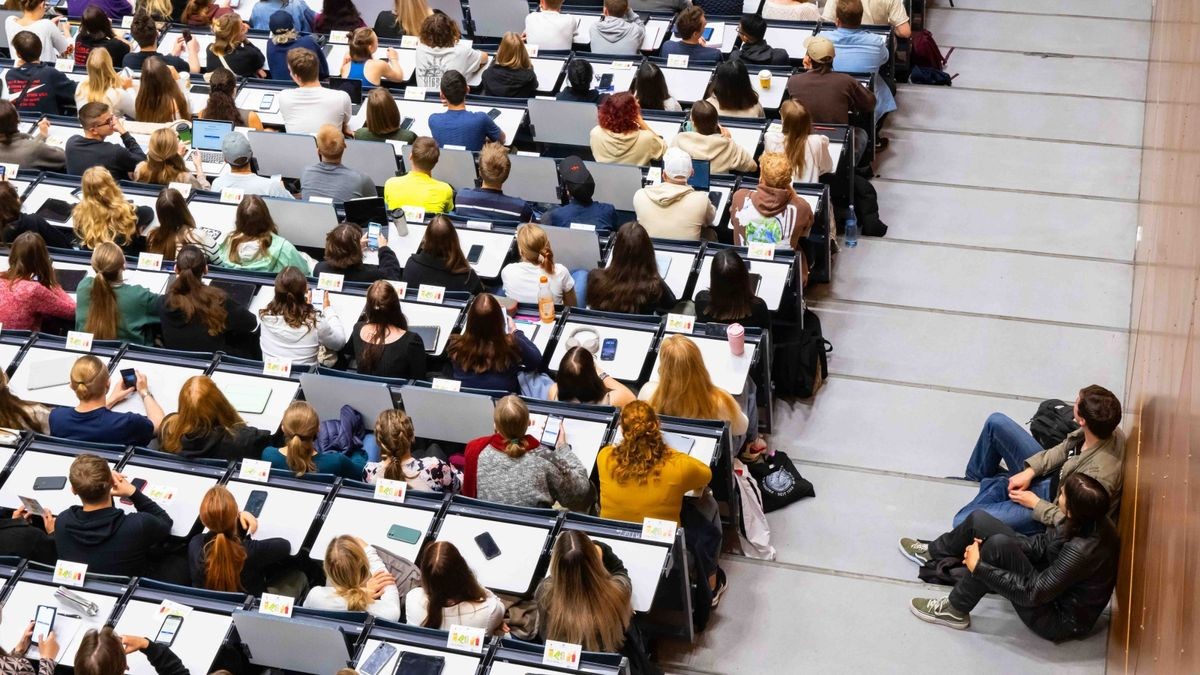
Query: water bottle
point(851, 229)
point(545, 301)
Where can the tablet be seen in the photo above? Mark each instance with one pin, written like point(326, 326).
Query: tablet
point(248, 398)
point(51, 372)
point(56, 210)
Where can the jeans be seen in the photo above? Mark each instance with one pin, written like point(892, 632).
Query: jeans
point(371, 447)
point(1003, 439)
point(580, 277)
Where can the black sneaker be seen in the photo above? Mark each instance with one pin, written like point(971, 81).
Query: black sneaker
point(939, 611)
point(915, 550)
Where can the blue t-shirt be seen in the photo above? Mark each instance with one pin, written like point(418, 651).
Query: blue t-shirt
point(463, 128)
point(603, 216)
point(346, 466)
point(101, 426)
point(693, 52)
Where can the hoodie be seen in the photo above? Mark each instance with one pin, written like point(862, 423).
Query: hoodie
point(300, 344)
point(636, 147)
point(672, 211)
point(241, 442)
point(723, 154)
point(110, 541)
point(761, 53)
point(432, 62)
point(616, 35)
point(280, 254)
point(509, 82)
point(770, 214)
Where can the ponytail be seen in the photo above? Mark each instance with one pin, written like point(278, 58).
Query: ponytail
point(103, 316)
point(300, 427)
point(394, 432)
point(225, 557)
point(300, 455)
point(546, 259)
point(189, 294)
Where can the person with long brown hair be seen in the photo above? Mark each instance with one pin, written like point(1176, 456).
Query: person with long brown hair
point(14, 222)
point(511, 75)
point(381, 344)
point(579, 381)
point(18, 414)
point(198, 317)
point(207, 425)
point(299, 453)
point(103, 214)
point(710, 141)
point(232, 51)
point(111, 309)
point(808, 152)
point(586, 597)
point(394, 435)
point(226, 557)
point(360, 62)
point(682, 387)
point(513, 467)
point(176, 228)
point(450, 594)
point(491, 351)
point(338, 15)
point(383, 119)
point(95, 34)
point(631, 283)
point(29, 291)
point(93, 419)
point(358, 581)
point(255, 244)
point(440, 260)
point(404, 19)
point(522, 279)
point(159, 98)
point(730, 296)
point(103, 652)
point(164, 162)
point(26, 150)
point(222, 86)
point(344, 246)
point(291, 328)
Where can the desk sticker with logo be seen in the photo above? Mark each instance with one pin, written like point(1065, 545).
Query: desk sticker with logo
point(680, 323)
point(409, 42)
point(328, 281)
point(677, 61)
point(428, 293)
point(583, 226)
point(400, 286)
point(468, 638)
point(446, 384)
point(277, 367)
point(172, 608)
point(414, 214)
point(255, 470)
point(761, 250)
point(150, 261)
point(79, 341)
point(388, 490)
point(562, 654)
point(162, 494)
point(414, 93)
point(279, 605)
point(231, 195)
point(184, 189)
point(70, 573)
point(655, 529)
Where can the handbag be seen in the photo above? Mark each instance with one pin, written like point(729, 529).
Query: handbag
point(780, 481)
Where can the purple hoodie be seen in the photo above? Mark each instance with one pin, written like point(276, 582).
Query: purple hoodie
point(115, 9)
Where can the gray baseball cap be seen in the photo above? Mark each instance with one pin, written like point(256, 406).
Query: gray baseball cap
point(236, 148)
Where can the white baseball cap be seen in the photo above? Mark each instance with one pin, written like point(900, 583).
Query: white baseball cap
point(677, 163)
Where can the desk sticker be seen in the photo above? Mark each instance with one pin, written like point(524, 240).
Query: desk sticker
point(450, 146)
point(761, 250)
point(414, 93)
point(339, 37)
point(320, 200)
point(654, 529)
point(428, 293)
point(70, 573)
point(654, 174)
point(622, 65)
point(414, 214)
point(520, 153)
point(279, 605)
point(446, 385)
point(162, 494)
point(79, 341)
point(388, 490)
point(328, 281)
point(150, 261)
point(583, 226)
point(677, 61)
point(231, 195)
point(172, 608)
point(478, 225)
point(127, 21)
point(184, 189)
point(466, 637)
point(680, 323)
point(400, 286)
point(255, 470)
point(277, 367)
point(10, 171)
point(562, 654)
point(64, 65)
point(533, 51)
point(409, 42)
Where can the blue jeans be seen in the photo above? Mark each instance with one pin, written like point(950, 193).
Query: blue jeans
point(580, 277)
point(371, 447)
point(993, 498)
point(1003, 439)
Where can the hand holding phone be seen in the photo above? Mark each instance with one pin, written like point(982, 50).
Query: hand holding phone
point(169, 629)
point(43, 622)
point(138, 484)
point(373, 231)
point(129, 378)
point(551, 431)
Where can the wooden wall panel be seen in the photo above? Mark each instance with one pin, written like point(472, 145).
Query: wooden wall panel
point(1155, 627)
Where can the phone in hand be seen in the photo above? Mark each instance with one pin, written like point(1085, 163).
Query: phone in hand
point(373, 231)
point(608, 349)
point(474, 253)
point(378, 659)
point(551, 431)
point(129, 378)
point(267, 101)
point(487, 545)
point(255, 502)
point(169, 629)
point(606, 82)
point(404, 534)
point(43, 621)
point(318, 298)
point(138, 484)
point(187, 35)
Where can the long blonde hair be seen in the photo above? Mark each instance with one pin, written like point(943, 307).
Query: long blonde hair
point(202, 408)
point(163, 164)
point(104, 316)
point(684, 386)
point(102, 213)
point(300, 427)
point(410, 14)
point(512, 53)
point(641, 451)
point(226, 30)
point(797, 126)
point(101, 77)
point(583, 604)
point(534, 247)
point(348, 570)
point(89, 378)
point(511, 418)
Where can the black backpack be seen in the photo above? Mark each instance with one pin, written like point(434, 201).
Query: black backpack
point(800, 365)
point(779, 481)
point(1052, 422)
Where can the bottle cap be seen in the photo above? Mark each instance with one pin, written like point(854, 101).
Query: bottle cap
point(544, 280)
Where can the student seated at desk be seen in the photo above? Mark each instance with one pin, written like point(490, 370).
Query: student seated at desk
point(650, 88)
point(619, 32)
point(91, 150)
point(450, 594)
point(708, 140)
point(53, 34)
point(488, 202)
point(440, 260)
point(111, 309)
point(176, 228)
point(549, 28)
point(828, 96)
point(14, 223)
point(18, 536)
point(578, 87)
point(730, 296)
point(457, 125)
point(159, 99)
point(358, 581)
point(103, 652)
point(344, 255)
point(754, 50)
point(161, 11)
point(93, 419)
point(382, 345)
point(417, 187)
point(441, 50)
point(512, 467)
point(103, 84)
point(511, 75)
point(299, 453)
point(226, 557)
point(33, 86)
point(808, 152)
point(861, 51)
point(404, 19)
point(24, 150)
point(291, 328)
point(232, 51)
point(659, 6)
point(102, 536)
point(685, 389)
point(96, 32)
point(621, 136)
point(197, 317)
point(580, 186)
point(731, 92)
point(878, 13)
point(522, 279)
point(792, 10)
point(771, 212)
point(360, 62)
point(394, 433)
point(144, 31)
point(29, 290)
point(255, 244)
point(202, 13)
point(673, 209)
point(104, 215)
point(487, 354)
point(330, 178)
point(16, 663)
point(586, 596)
point(689, 26)
point(208, 427)
point(302, 15)
point(236, 150)
point(383, 119)
point(308, 106)
point(285, 38)
point(221, 106)
point(631, 284)
point(579, 381)
point(338, 15)
point(164, 162)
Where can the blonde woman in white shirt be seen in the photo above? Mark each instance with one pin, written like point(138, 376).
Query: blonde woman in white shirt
point(450, 594)
point(792, 10)
point(357, 581)
point(522, 279)
point(808, 152)
point(55, 33)
point(104, 85)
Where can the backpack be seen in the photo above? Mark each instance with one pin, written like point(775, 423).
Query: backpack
point(927, 75)
point(925, 51)
point(800, 365)
point(1053, 421)
point(779, 481)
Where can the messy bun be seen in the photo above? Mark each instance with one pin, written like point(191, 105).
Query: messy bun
point(89, 378)
point(641, 450)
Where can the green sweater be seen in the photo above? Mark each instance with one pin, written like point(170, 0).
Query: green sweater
point(137, 307)
point(365, 134)
point(280, 254)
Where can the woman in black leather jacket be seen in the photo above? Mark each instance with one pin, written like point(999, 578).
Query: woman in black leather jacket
point(1059, 581)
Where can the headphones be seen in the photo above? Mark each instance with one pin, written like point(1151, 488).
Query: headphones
point(584, 337)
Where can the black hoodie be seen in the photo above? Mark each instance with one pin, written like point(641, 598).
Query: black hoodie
point(509, 82)
point(761, 53)
point(109, 540)
point(242, 442)
point(19, 538)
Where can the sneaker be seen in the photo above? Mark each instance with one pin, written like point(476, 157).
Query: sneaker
point(916, 551)
point(939, 611)
point(722, 586)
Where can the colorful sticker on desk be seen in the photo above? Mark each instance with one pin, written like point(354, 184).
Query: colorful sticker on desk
point(677, 61)
point(761, 250)
point(414, 93)
point(533, 51)
point(622, 65)
point(400, 286)
point(478, 225)
point(10, 171)
point(172, 608)
point(588, 227)
point(70, 573)
point(654, 529)
point(231, 195)
point(162, 494)
point(279, 605)
point(277, 367)
point(339, 37)
point(255, 470)
point(409, 42)
point(446, 384)
point(414, 214)
point(388, 490)
point(328, 281)
point(428, 293)
point(79, 341)
point(562, 654)
point(150, 261)
point(64, 65)
point(467, 638)
point(680, 323)
point(654, 174)
point(184, 189)
point(127, 21)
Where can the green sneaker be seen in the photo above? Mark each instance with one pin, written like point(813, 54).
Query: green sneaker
point(939, 611)
point(914, 550)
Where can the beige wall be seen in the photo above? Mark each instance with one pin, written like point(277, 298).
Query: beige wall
point(1155, 627)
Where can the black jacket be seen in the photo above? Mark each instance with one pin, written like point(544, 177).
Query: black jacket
point(243, 442)
point(192, 336)
point(509, 82)
point(245, 61)
point(761, 53)
point(19, 538)
point(164, 661)
point(423, 269)
point(1072, 585)
point(55, 237)
point(259, 556)
point(49, 91)
point(84, 153)
point(388, 268)
point(109, 540)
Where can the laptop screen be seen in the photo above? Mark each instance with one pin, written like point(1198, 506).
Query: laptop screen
point(699, 179)
point(352, 86)
point(208, 134)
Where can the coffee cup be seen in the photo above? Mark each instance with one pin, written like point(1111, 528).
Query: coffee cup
point(764, 79)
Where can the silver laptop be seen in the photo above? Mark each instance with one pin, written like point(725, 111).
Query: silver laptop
point(51, 372)
point(206, 140)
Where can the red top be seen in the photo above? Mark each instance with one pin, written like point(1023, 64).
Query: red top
point(23, 303)
point(476, 448)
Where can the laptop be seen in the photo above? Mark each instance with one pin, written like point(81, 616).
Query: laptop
point(429, 336)
point(240, 292)
point(352, 86)
point(366, 210)
point(56, 211)
point(51, 372)
point(206, 140)
point(700, 174)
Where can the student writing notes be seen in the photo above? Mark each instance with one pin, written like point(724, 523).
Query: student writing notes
point(450, 594)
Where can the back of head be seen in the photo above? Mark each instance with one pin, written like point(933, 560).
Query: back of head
point(1088, 501)
point(91, 113)
point(224, 554)
point(202, 409)
point(343, 246)
point(641, 450)
point(9, 121)
point(650, 86)
point(28, 46)
point(849, 13)
point(820, 53)
point(1100, 410)
point(512, 422)
point(577, 179)
point(753, 28)
point(616, 8)
point(441, 243)
point(331, 143)
point(159, 98)
point(300, 427)
point(494, 164)
point(90, 477)
point(100, 652)
point(290, 301)
point(578, 379)
point(190, 296)
point(579, 76)
point(362, 44)
point(144, 30)
point(302, 63)
point(439, 31)
point(483, 346)
point(632, 280)
point(253, 220)
point(689, 22)
point(731, 86)
point(534, 247)
point(454, 87)
point(704, 118)
point(226, 30)
point(394, 433)
point(685, 388)
point(425, 153)
point(28, 258)
point(383, 115)
point(619, 113)
point(730, 293)
point(447, 580)
point(95, 24)
point(383, 312)
point(775, 170)
point(347, 570)
point(175, 224)
point(583, 604)
point(103, 317)
point(100, 74)
point(512, 53)
point(220, 105)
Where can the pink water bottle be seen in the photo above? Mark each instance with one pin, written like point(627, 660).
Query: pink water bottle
point(737, 338)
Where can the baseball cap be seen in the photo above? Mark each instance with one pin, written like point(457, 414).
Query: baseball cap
point(820, 49)
point(677, 163)
point(236, 148)
point(573, 171)
point(281, 21)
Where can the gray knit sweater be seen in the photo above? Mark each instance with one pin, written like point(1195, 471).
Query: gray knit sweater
point(538, 478)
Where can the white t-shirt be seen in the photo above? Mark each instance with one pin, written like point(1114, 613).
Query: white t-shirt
point(487, 615)
point(431, 62)
point(53, 40)
point(790, 11)
point(251, 184)
point(521, 281)
point(817, 160)
point(306, 109)
point(551, 30)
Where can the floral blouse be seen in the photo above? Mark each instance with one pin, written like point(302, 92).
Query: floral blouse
point(430, 474)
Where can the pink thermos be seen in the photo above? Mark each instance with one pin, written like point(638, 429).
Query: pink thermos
point(737, 338)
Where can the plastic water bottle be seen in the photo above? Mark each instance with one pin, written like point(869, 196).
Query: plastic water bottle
point(545, 301)
point(851, 229)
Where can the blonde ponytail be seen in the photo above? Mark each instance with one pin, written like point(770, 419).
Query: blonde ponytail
point(300, 427)
point(512, 422)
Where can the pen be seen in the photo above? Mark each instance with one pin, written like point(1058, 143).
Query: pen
point(70, 616)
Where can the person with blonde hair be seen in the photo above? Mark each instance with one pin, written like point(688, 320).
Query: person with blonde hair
point(226, 557)
point(808, 152)
point(683, 388)
point(771, 212)
point(383, 119)
point(331, 179)
point(522, 280)
point(104, 215)
point(404, 19)
point(103, 84)
point(109, 308)
point(394, 435)
point(292, 328)
point(299, 451)
point(93, 419)
point(232, 51)
point(358, 581)
point(255, 244)
point(360, 62)
point(586, 597)
point(488, 201)
point(450, 594)
point(207, 426)
point(159, 99)
point(511, 75)
point(29, 290)
point(513, 467)
point(164, 162)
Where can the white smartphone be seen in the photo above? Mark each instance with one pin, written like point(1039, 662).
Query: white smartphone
point(43, 621)
point(550, 433)
point(318, 298)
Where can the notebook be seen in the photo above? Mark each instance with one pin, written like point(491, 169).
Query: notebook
point(51, 372)
point(248, 398)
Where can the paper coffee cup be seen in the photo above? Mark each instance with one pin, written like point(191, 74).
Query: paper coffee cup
point(764, 79)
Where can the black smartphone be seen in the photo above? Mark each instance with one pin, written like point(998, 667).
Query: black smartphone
point(254, 503)
point(406, 123)
point(474, 253)
point(404, 534)
point(138, 484)
point(129, 378)
point(378, 659)
point(412, 663)
point(487, 545)
point(608, 349)
point(168, 630)
point(755, 281)
point(43, 621)
point(606, 82)
point(49, 482)
point(187, 35)
point(493, 113)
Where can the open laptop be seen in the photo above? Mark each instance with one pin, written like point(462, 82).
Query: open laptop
point(206, 140)
point(352, 86)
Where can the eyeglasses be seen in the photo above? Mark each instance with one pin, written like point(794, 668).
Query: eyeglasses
point(108, 122)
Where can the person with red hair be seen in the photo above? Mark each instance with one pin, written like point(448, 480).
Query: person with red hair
point(622, 136)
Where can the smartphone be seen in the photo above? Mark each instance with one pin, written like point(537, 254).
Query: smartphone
point(49, 482)
point(129, 378)
point(318, 298)
point(267, 101)
point(169, 629)
point(412, 663)
point(2, 174)
point(608, 349)
point(485, 542)
point(254, 503)
point(606, 82)
point(406, 123)
point(552, 429)
point(404, 534)
point(755, 281)
point(493, 113)
point(474, 252)
point(43, 621)
point(187, 35)
point(378, 659)
point(708, 32)
point(373, 230)
point(138, 484)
